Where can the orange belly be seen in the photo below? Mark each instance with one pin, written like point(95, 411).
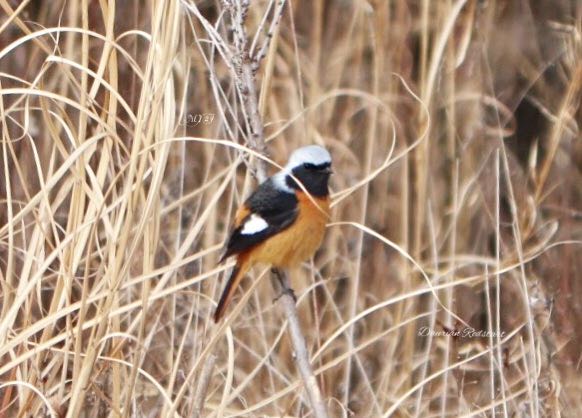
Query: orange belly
point(300, 241)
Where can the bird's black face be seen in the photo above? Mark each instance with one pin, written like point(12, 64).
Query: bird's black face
point(314, 178)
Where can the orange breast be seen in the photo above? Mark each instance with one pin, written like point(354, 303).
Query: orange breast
point(298, 242)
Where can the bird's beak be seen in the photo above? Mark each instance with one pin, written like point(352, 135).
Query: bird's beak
point(328, 170)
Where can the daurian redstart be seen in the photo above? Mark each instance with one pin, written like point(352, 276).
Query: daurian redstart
point(282, 223)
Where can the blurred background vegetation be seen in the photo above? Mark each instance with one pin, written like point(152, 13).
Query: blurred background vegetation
point(455, 132)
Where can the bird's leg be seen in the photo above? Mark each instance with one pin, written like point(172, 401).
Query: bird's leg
point(282, 284)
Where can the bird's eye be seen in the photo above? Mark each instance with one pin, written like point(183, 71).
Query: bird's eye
point(309, 166)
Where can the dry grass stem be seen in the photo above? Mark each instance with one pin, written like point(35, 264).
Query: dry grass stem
point(448, 282)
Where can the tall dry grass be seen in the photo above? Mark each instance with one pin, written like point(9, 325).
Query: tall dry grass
point(455, 132)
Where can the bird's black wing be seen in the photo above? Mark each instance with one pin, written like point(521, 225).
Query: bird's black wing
point(277, 208)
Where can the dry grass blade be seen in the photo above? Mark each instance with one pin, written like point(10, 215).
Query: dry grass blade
point(448, 282)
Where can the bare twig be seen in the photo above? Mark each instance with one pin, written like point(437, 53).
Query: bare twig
point(202, 387)
point(245, 67)
point(244, 61)
point(287, 300)
point(245, 81)
point(257, 58)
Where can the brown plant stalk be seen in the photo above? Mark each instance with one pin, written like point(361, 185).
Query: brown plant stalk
point(245, 65)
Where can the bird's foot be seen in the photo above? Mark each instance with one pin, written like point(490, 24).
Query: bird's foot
point(287, 291)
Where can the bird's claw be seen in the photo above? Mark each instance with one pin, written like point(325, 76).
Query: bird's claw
point(286, 291)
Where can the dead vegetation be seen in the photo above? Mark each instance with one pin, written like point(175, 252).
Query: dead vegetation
point(455, 132)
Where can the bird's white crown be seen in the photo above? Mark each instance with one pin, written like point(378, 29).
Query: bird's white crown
point(311, 154)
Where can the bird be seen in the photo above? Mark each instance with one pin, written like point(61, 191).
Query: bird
point(282, 223)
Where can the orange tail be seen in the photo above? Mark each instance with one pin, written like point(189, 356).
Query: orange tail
point(238, 272)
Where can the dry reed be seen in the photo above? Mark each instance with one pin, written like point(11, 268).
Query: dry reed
point(448, 283)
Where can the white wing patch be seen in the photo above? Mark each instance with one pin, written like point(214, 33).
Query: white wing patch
point(253, 225)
